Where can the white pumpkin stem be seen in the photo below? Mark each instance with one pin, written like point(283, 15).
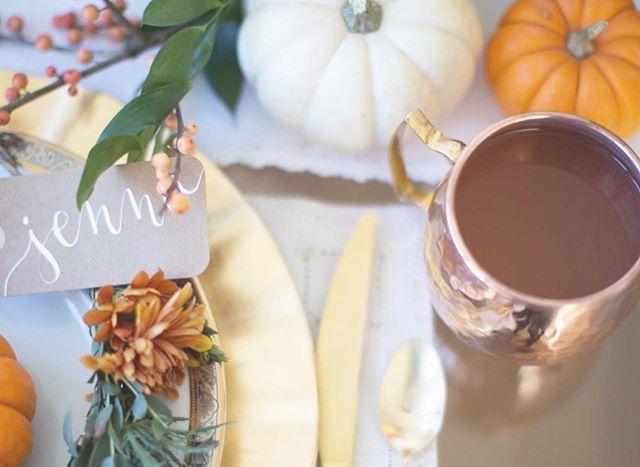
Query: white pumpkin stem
point(581, 44)
point(358, 6)
point(362, 16)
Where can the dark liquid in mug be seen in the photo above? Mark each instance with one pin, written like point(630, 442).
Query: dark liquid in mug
point(549, 214)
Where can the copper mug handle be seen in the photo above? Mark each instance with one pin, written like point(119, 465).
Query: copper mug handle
point(405, 188)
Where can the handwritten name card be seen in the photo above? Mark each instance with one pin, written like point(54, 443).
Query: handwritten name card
point(47, 244)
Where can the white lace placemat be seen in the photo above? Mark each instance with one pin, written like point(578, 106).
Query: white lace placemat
point(311, 237)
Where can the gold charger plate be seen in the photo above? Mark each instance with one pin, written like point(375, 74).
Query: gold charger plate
point(271, 397)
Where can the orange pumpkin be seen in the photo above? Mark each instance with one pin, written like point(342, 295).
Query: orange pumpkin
point(5, 349)
point(17, 407)
point(575, 56)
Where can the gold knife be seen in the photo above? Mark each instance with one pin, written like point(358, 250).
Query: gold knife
point(339, 347)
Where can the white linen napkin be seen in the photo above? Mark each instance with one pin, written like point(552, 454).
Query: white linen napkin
point(312, 237)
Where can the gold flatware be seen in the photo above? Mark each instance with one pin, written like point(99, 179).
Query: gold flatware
point(339, 347)
point(412, 398)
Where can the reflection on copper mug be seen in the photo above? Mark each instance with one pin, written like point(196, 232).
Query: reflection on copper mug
point(490, 313)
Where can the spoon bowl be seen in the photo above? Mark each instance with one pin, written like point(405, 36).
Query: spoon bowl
point(413, 398)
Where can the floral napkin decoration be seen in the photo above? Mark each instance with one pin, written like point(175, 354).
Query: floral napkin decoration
point(145, 336)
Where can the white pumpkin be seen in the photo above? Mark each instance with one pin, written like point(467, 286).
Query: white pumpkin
point(345, 74)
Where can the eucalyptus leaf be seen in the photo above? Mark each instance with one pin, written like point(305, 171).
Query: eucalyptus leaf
point(120, 460)
point(117, 419)
point(102, 156)
point(136, 386)
point(104, 415)
point(141, 453)
point(159, 406)
point(139, 409)
point(223, 69)
point(101, 451)
point(111, 389)
point(67, 434)
point(115, 438)
point(172, 12)
point(90, 424)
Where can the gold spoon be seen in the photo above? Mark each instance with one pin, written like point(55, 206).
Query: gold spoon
point(412, 399)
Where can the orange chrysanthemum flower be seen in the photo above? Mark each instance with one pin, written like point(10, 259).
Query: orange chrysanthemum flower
point(149, 327)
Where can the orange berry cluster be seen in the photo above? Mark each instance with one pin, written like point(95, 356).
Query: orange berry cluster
point(19, 83)
point(177, 201)
point(88, 23)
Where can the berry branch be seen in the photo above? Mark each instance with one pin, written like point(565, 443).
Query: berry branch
point(73, 76)
point(117, 12)
point(186, 39)
point(182, 145)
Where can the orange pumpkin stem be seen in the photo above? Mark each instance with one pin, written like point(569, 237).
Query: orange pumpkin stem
point(581, 44)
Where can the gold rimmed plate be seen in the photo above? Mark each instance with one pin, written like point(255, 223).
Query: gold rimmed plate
point(34, 323)
point(270, 397)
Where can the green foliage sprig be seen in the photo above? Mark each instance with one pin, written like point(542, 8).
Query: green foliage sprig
point(126, 427)
point(171, 76)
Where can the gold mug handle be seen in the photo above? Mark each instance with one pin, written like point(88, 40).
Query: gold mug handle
point(405, 188)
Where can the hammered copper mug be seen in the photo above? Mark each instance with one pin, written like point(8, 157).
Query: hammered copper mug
point(481, 310)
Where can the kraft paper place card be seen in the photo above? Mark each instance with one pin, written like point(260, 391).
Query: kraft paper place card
point(47, 244)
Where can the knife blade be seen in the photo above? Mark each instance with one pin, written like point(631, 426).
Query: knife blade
point(339, 346)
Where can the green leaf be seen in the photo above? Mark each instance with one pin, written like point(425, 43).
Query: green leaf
point(158, 406)
point(143, 138)
point(202, 54)
point(111, 389)
point(67, 434)
point(101, 451)
point(102, 156)
point(223, 69)
point(139, 407)
point(172, 12)
point(90, 424)
point(115, 438)
point(174, 59)
point(141, 453)
point(120, 460)
point(117, 419)
point(104, 415)
point(147, 109)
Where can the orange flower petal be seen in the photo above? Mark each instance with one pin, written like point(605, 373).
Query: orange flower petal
point(171, 393)
point(105, 295)
point(156, 279)
point(90, 362)
point(167, 288)
point(123, 330)
point(103, 333)
point(95, 317)
point(140, 280)
point(199, 343)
